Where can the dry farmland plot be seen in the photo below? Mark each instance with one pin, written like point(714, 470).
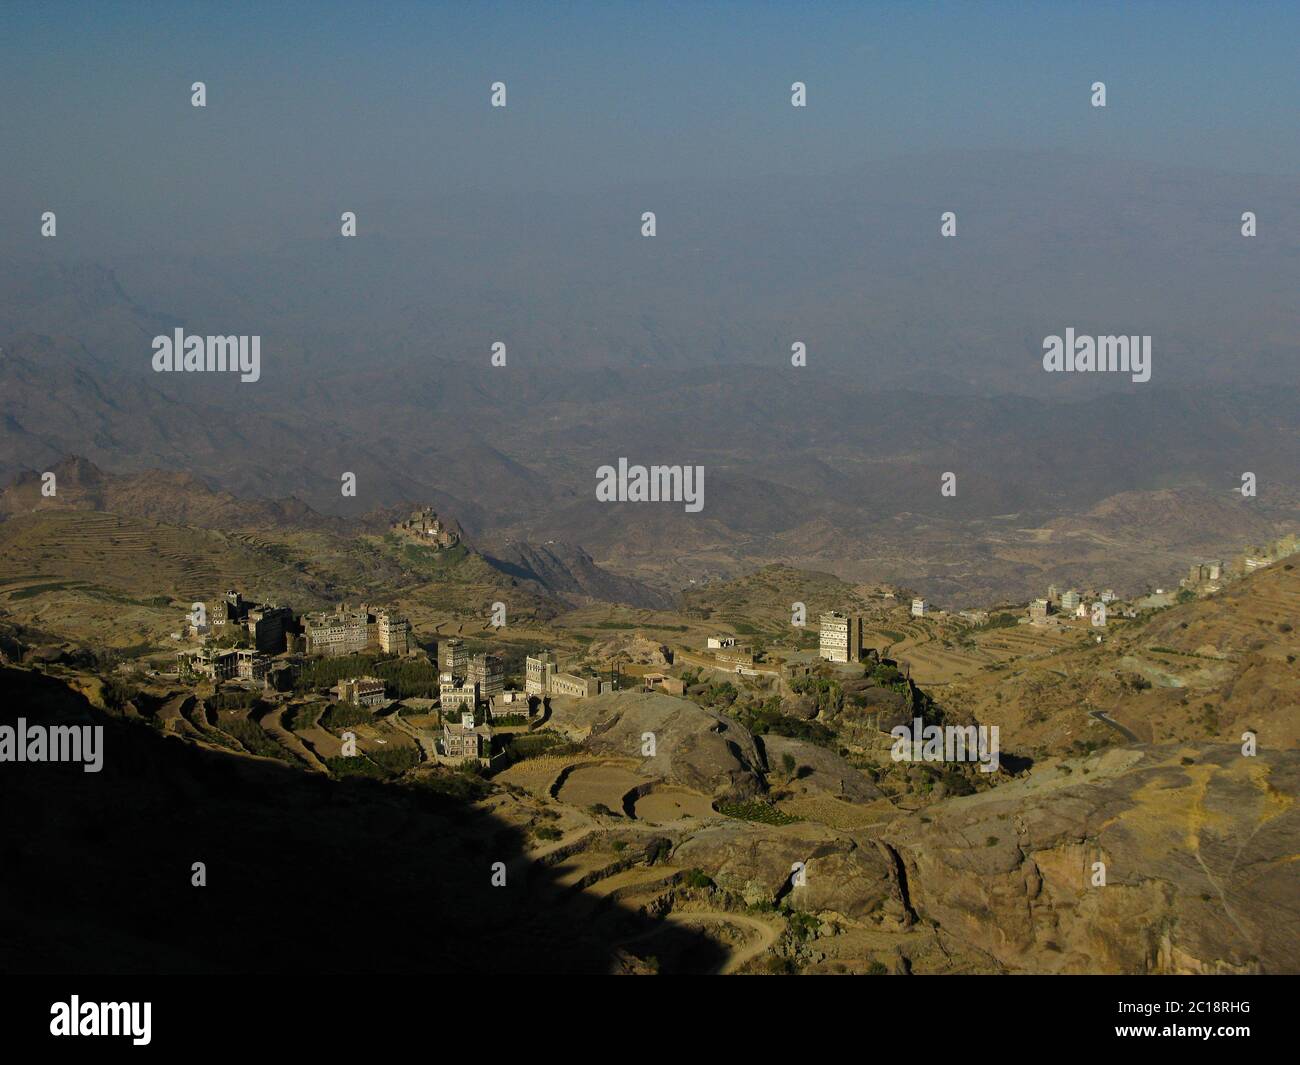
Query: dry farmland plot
point(838, 814)
point(636, 881)
point(923, 650)
point(604, 621)
point(538, 774)
point(323, 743)
point(666, 803)
point(271, 724)
point(600, 783)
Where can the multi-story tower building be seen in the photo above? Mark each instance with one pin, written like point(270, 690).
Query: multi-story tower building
point(231, 608)
point(457, 695)
point(487, 672)
point(267, 626)
point(344, 632)
point(393, 632)
point(453, 658)
point(538, 670)
point(840, 637)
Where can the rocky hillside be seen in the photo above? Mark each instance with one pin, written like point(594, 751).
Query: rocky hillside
point(565, 570)
point(1195, 844)
point(1198, 845)
point(1204, 670)
point(294, 534)
point(156, 495)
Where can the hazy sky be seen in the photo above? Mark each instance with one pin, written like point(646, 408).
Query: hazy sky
point(819, 225)
point(318, 104)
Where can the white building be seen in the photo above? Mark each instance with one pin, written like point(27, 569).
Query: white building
point(839, 637)
point(538, 671)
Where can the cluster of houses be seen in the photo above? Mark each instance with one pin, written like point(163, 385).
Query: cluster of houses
point(1072, 603)
point(468, 682)
point(264, 643)
point(471, 688)
point(726, 653)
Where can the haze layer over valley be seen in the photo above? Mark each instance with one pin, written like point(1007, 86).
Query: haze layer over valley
point(924, 357)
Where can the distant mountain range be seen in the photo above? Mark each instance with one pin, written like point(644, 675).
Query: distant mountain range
point(558, 571)
point(924, 358)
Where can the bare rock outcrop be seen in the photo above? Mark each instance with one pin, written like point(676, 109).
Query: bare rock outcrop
point(840, 874)
point(1198, 847)
point(694, 747)
point(818, 770)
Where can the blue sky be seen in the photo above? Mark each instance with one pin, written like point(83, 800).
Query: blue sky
point(312, 105)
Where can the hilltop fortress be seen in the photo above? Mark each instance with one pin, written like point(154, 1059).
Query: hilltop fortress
point(425, 527)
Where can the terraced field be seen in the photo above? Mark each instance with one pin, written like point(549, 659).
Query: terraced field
point(1252, 615)
point(537, 775)
point(88, 573)
point(1027, 640)
point(845, 816)
point(921, 645)
point(599, 783)
point(636, 882)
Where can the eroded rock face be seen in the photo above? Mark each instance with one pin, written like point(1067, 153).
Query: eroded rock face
point(1199, 870)
point(869, 709)
point(840, 874)
point(696, 748)
point(818, 770)
point(1197, 842)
